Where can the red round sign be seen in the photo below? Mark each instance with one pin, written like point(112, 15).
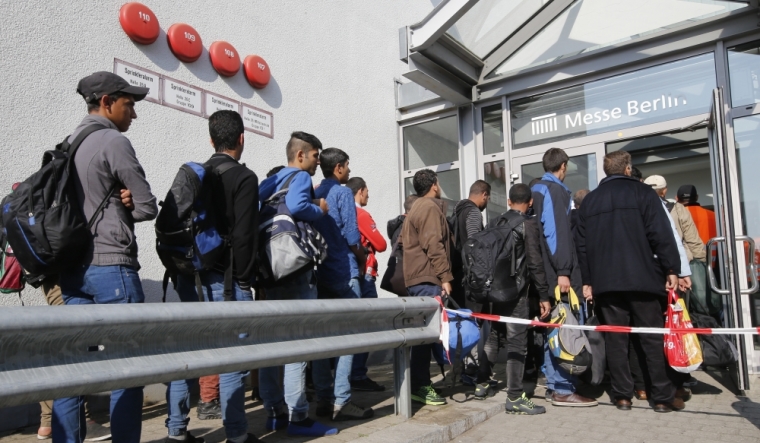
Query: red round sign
point(139, 22)
point(184, 42)
point(256, 71)
point(224, 58)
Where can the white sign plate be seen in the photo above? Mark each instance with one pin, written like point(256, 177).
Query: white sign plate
point(181, 96)
point(258, 121)
point(139, 77)
point(218, 103)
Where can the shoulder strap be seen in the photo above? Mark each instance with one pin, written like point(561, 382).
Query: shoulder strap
point(224, 167)
point(286, 185)
point(71, 148)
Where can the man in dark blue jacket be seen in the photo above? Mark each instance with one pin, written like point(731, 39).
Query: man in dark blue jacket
point(552, 205)
point(629, 257)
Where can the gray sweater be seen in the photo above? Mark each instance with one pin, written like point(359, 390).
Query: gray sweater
point(104, 158)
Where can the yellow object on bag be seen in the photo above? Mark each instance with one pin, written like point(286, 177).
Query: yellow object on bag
point(682, 350)
point(572, 299)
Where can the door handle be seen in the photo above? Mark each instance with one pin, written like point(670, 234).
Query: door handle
point(751, 263)
point(713, 283)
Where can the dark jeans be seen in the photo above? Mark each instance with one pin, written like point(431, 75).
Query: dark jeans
point(642, 310)
point(420, 361)
point(517, 345)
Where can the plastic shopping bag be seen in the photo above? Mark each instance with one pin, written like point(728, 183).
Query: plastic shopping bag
point(682, 350)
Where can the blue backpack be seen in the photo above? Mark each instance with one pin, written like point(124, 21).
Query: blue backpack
point(188, 236)
point(287, 246)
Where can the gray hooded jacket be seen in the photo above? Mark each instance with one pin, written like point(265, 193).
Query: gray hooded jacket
point(104, 158)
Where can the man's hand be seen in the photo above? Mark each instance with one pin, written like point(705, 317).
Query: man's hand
point(684, 284)
point(671, 282)
point(361, 258)
point(126, 199)
point(564, 283)
point(588, 293)
point(323, 205)
point(546, 309)
point(446, 287)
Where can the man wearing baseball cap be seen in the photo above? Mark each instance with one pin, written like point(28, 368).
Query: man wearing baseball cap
point(107, 170)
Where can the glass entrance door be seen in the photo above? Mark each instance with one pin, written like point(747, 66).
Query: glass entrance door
point(584, 170)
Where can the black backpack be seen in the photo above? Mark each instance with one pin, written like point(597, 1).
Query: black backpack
point(188, 235)
point(493, 266)
point(41, 218)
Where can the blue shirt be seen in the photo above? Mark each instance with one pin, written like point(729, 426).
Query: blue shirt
point(340, 230)
point(300, 193)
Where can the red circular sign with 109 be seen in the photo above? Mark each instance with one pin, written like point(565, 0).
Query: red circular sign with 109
point(184, 42)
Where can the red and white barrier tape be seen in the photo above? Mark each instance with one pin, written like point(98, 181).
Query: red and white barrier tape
point(606, 328)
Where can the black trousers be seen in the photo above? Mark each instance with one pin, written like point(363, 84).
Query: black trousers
point(642, 310)
point(516, 342)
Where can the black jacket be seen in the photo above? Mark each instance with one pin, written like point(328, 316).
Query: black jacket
point(394, 228)
point(238, 200)
point(625, 241)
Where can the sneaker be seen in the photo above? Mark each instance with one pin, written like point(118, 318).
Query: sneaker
point(250, 439)
point(523, 406)
point(548, 395)
point(44, 433)
point(367, 385)
point(483, 391)
point(277, 423)
point(209, 411)
point(690, 383)
point(310, 428)
point(572, 400)
point(189, 438)
point(97, 432)
point(428, 396)
point(325, 408)
point(541, 381)
point(350, 411)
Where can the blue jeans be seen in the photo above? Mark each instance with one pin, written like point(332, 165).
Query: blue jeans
point(88, 285)
point(231, 385)
point(320, 369)
point(557, 379)
point(359, 366)
point(420, 361)
point(300, 287)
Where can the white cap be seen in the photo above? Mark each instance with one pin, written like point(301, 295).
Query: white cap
point(656, 182)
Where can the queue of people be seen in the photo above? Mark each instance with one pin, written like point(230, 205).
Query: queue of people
point(618, 248)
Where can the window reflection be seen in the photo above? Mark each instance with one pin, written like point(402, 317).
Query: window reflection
point(744, 69)
point(493, 134)
point(450, 191)
point(431, 143)
point(495, 175)
point(581, 172)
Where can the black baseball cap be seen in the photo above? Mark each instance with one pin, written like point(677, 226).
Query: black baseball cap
point(101, 83)
point(687, 193)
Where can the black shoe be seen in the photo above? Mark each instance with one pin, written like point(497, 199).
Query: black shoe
point(251, 439)
point(351, 411)
point(325, 408)
point(209, 411)
point(189, 438)
point(367, 385)
point(523, 406)
point(97, 432)
point(255, 396)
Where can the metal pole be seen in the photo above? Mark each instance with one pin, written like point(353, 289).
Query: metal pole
point(402, 386)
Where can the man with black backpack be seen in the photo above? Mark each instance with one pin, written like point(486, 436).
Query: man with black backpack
point(290, 409)
point(232, 203)
point(552, 205)
point(467, 220)
point(105, 162)
point(523, 264)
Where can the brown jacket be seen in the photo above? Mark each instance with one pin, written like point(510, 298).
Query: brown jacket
point(426, 240)
point(695, 249)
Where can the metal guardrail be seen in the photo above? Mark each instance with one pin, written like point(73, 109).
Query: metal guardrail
point(61, 351)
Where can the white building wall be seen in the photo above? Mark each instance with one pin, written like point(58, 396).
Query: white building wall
point(333, 64)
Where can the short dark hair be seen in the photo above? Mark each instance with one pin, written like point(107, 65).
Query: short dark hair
point(579, 196)
point(356, 184)
point(225, 128)
point(480, 187)
point(424, 180)
point(553, 159)
point(409, 202)
point(275, 170)
point(330, 158)
point(533, 182)
point(636, 173)
point(95, 104)
point(520, 193)
point(297, 139)
point(616, 162)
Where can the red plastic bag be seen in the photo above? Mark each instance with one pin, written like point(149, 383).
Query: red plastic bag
point(681, 349)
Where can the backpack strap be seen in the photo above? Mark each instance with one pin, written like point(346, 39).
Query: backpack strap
point(228, 277)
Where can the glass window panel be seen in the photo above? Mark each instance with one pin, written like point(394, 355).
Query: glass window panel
point(592, 24)
point(431, 143)
point(744, 69)
point(658, 93)
point(490, 22)
point(493, 132)
point(495, 175)
point(581, 172)
point(450, 190)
